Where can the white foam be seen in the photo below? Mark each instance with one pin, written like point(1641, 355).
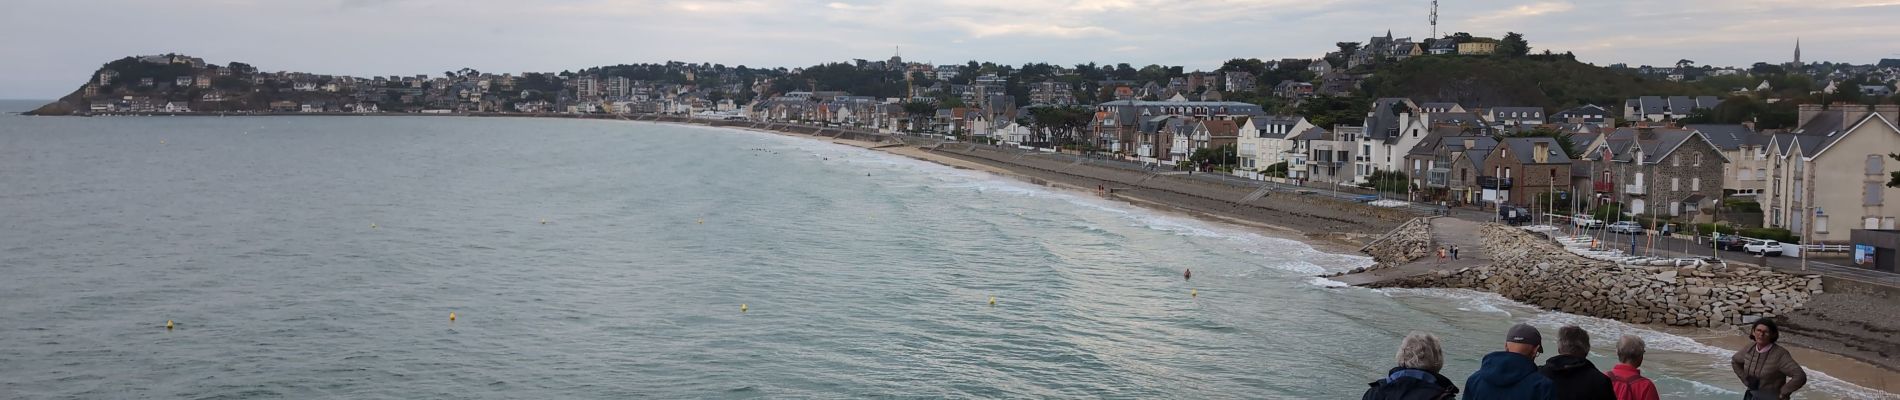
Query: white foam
point(1323, 282)
point(1469, 300)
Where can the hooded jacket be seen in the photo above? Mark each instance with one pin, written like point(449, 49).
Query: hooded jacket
point(1411, 384)
point(1576, 378)
point(1507, 376)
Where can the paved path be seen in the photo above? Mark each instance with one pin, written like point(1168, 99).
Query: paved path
point(1445, 232)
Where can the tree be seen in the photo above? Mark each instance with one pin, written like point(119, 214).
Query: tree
point(1762, 68)
point(1347, 48)
point(1389, 181)
point(1514, 45)
point(1685, 63)
point(917, 109)
point(1222, 156)
point(1894, 180)
point(1461, 37)
point(1251, 66)
point(1277, 170)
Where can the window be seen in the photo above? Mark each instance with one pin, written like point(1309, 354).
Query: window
point(1873, 192)
point(1745, 175)
point(1639, 179)
point(1695, 184)
point(1875, 164)
point(1870, 223)
point(1820, 224)
point(1675, 161)
point(1886, 223)
point(1761, 174)
point(1675, 184)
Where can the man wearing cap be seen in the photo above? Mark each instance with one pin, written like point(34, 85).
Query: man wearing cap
point(1512, 373)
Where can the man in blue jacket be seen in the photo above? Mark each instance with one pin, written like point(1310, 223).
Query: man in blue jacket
point(1512, 373)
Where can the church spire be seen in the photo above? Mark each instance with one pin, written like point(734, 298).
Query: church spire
point(1797, 52)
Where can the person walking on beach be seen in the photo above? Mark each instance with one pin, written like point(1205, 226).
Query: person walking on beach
point(1766, 369)
point(1512, 373)
point(1625, 378)
point(1441, 254)
point(1416, 376)
point(1572, 375)
point(1454, 252)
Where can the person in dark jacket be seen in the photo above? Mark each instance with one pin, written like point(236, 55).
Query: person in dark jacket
point(1511, 374)
point(1571, 374)
point(1416, 377)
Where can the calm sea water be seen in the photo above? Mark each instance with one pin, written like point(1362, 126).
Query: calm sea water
point(321, 257)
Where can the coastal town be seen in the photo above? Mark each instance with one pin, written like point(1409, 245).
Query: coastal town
point(1714, 150)
point(1682, 195)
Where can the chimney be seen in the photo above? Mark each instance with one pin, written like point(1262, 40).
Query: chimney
point(1808, 112)
point(1851, 113)
point(1890, 111)
point(1645, 133)
point(1540, 152)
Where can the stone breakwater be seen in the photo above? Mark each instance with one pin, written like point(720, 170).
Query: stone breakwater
point(1534, 270)
point(1409, 241)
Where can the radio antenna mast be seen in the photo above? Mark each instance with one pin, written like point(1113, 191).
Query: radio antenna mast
point(1434, 19)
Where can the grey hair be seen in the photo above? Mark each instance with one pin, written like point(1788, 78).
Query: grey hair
point(1419, 350)
point(1573, 341)
point(1630, 348)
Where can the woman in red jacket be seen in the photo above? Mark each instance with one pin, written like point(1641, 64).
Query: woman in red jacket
point(1625, 378)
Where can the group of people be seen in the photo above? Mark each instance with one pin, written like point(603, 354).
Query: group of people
point(1447, 250)
point(1767, 370)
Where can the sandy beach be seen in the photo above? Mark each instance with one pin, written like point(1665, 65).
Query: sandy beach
point(1334, 236)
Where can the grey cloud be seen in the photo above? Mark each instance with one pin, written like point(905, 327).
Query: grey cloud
point(383, 37)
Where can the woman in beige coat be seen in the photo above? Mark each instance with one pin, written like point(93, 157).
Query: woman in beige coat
point(1767, 369)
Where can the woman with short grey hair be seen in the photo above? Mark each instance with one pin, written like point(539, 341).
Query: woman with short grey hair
point(1416, 376)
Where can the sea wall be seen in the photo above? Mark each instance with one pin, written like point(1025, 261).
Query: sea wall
point(1532, 269)
point(1409, 241)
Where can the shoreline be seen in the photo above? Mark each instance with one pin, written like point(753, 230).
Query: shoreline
point(1840, 366)
point(1310, 229)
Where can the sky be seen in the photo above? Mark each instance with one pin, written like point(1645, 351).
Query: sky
point(53, 45)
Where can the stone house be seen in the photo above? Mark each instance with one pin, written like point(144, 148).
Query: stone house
point(1746, 173)
point(1523, 168)
point(1656, 171)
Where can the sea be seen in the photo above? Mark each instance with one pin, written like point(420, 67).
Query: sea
point(506, 258)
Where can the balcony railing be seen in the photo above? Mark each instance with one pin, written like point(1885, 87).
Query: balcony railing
point(1436, 177)
point(1491, 182)
point(1604, 187)
point(1632, 189)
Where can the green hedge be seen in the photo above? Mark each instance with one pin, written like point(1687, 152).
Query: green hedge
point(1777, 234)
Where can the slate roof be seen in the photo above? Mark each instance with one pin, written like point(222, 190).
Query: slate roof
point(1724, 136)
point(1430, 107)
point(1587, 109)
point(1221, 127)
point(1525, 150)
point(1647, 105)
point(1383, 123)
point(1523, 112)
point(1314, 133)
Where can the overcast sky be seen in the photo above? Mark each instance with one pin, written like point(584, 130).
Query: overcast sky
point(52, 45)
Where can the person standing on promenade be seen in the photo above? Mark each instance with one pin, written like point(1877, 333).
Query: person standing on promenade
point(1767, 369)
point(1625, 378)
point(1572, 375)
point(1441, 254)
point(1511, 374)
point(1416, 376)
point(1454, 252)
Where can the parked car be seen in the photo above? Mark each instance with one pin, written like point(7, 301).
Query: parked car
point(1514, 215)
point(1628, 227)
point(1764, 247)
point(1585, 221)
point(1366, 198)
point(1729, 242)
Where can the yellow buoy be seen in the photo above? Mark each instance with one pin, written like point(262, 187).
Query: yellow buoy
point(992, 300)
point(451, 316)
point(168, 324)
point(702, 220)
point(742, 307)
point(372, 225)
point(1194, 293)
point(544, 221)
